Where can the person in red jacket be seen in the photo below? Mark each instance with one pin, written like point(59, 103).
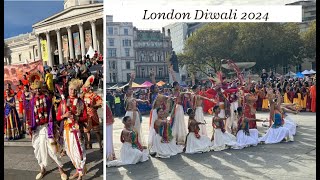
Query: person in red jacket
point(73, 112)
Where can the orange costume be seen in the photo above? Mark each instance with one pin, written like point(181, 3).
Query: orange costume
point(91, 99)
point(19, 97)
point(313, 98)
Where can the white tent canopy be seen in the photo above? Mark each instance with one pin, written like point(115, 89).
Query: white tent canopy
point(291, 74)
point(312, 72)
point(90, 52)
point(305, 72)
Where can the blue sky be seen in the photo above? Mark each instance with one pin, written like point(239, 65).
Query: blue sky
point(20, 15)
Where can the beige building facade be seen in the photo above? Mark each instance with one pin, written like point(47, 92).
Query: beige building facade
point(65, 35)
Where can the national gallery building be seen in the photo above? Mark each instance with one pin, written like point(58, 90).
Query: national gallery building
point(66, 35)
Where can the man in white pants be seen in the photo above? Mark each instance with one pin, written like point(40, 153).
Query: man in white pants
point(73, 112)
point(42, 129)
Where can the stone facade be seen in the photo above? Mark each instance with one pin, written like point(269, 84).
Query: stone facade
point(73, 22)
point(21, 48)
point(308, 13)
point(120, 53)
point(152, 52)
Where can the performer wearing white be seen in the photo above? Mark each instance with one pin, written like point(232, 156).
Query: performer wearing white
point(109, 134)
point(246, 137)
point(221, 139)
point(132, 109)
point(42, 126)
point(164, 144)
point(277, 133)
point(74, 113)
point(179, 128)
point(157, 100)
point(197, 102)
point(196, 143)
point(131, 151)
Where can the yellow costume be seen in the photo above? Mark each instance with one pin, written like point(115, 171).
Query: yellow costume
point(265, 103)
point(49, 81)
point(297, 100)
point(286, 99)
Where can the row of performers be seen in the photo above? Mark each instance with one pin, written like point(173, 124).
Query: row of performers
point(59, 127)
point(169, 137)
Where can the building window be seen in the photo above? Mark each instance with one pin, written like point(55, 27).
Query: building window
point(126, 42)
point(113, 65)
point(112, 52)
point(37, 52)
point(313, 65)
point(142, 73)
point(19, 57)
point(128, 76)
point(127, 51)
point(114, 77)
point(110, 30)
point(111, 42)
point(159, 58)
point(285, 69)
point(160, 72)
point(30, 55)
point(125, 31)
point(128, 64)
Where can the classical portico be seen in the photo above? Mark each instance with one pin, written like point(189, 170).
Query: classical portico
point(70, 33)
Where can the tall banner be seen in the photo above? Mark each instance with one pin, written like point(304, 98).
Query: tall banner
point(88, 40)
point(65, 46)
point(76, 42)
point(44, 50)
point(14, 73)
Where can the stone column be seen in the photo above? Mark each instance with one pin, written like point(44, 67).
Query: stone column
point(82, 45)
point(39, 47)
point(94, 35)
point(33, 53)
point(59, 46)
point(50, 63)
point(71, 50)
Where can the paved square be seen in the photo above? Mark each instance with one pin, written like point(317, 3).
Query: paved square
point(293, 160)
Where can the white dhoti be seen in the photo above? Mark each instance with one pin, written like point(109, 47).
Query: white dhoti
point(276, 135)
point(109, 142)
point(244, 140)
point(129, 155)
point(152, 132)
point(222, 140)
point(165, 150)
point(179, 128)
point(197, 145)
point(200, 118)
point(232, 122)
point(43, 148)
point(75, 148)
point(137, 125)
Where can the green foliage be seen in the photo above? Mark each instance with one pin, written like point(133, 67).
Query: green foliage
point(268, 44)
point(309, 40)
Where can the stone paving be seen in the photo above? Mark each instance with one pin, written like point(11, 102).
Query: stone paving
point(292, 160)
